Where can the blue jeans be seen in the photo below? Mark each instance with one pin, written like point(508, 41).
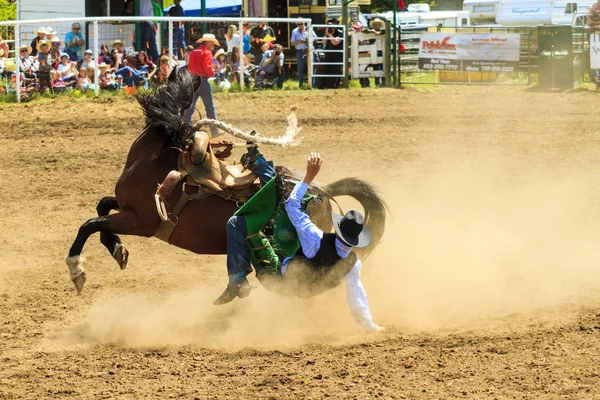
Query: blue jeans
point(238, 259)
point(179, 40)
point(148, 38)
point(130, 76)
point(302, 57)
point(72, 55)
point(205, 93)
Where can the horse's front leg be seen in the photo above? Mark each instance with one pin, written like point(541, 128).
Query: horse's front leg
point(111, 241)
point(125, 222)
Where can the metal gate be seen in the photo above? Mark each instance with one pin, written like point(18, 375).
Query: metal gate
point(409, 71)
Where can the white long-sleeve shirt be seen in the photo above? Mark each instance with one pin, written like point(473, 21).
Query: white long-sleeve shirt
point(310, 239)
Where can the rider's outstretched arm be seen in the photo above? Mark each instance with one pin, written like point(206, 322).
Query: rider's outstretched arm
point(357, 299)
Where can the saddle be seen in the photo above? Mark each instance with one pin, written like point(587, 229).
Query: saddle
point(209, 173)
point(205, 168)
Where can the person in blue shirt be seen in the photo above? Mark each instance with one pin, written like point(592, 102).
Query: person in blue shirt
point(271, 66)
point(73, 41)
point(317, 248)
point(299, 40)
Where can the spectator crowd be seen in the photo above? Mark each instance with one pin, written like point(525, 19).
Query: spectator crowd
point(51, 64)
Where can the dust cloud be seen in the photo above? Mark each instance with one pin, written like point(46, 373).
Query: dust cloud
point(466, 241)
point(474, 240)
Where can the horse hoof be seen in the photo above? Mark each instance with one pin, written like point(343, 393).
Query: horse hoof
point(121, 255)
point(79, 282)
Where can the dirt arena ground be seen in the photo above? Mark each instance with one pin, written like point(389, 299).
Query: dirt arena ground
point(487, 279)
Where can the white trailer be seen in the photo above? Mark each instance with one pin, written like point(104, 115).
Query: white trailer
point(482, 11)
point(431, 18)
point(540, 12)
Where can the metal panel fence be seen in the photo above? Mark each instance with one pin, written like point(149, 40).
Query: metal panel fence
point(410, 72)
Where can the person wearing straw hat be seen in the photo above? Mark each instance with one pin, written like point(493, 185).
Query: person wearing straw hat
point(50, 33)
point(117, 44)
point(45, 62)
point(27, 64)
point(55, 45)
point(73, 41)
point(319, 251)
point(220, 65)
point(40, 35)
point(200, 65)
point(377, 27)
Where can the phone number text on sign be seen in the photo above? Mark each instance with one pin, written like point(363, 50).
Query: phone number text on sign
point(439, 64)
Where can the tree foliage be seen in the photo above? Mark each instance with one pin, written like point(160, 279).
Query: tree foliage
point(8, 12)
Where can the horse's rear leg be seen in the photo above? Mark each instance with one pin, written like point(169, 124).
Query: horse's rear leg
point(111, 241)
point(125, 222)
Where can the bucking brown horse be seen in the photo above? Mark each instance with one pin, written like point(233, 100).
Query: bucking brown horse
point(201, 223)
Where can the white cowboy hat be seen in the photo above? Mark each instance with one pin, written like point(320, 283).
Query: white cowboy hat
point(40, 30)
point(25, 47)
point(50, 31)
point(56, 40)
point(376, 20)
point(116, 41)
point(208, 37)
point(218, 53)
point(41, 43)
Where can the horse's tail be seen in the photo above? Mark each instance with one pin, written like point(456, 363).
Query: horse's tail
point(371, 201)
point(163, 108)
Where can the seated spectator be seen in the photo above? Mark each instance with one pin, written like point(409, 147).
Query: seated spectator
point(105, 81)
point(86, 61)
point(55, 51)
point(4, 46)
point(186, 55)
point(116, 60)
point(131, 76)
point(40, 35)
point(220, 65)
point(67, 70)
point(2, 63)
point(83, 82)
point(50, 33)
point(271, 66)
point(58, 85)
point(104, 56)
point(118, 45)
point(164, 69)
point(143, 64)
point(235, 65)
point(27, 64)
point(45, 63)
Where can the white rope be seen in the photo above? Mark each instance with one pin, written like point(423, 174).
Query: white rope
point(286, 140)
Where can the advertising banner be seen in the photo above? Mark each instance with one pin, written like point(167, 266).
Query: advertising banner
point(493, 52)
point(595, 50)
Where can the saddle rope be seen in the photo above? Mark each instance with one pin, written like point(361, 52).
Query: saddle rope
point(288, 139)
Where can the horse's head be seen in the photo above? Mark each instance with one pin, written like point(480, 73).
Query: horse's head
point(165, 107)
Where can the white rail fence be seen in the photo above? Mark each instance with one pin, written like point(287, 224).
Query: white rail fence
point(106, 29)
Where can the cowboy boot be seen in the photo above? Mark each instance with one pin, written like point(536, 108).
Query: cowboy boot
point(232, 291)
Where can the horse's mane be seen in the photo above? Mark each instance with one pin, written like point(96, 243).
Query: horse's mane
point(163, 107)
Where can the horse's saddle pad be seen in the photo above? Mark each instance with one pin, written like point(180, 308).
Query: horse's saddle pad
point(207, 170)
